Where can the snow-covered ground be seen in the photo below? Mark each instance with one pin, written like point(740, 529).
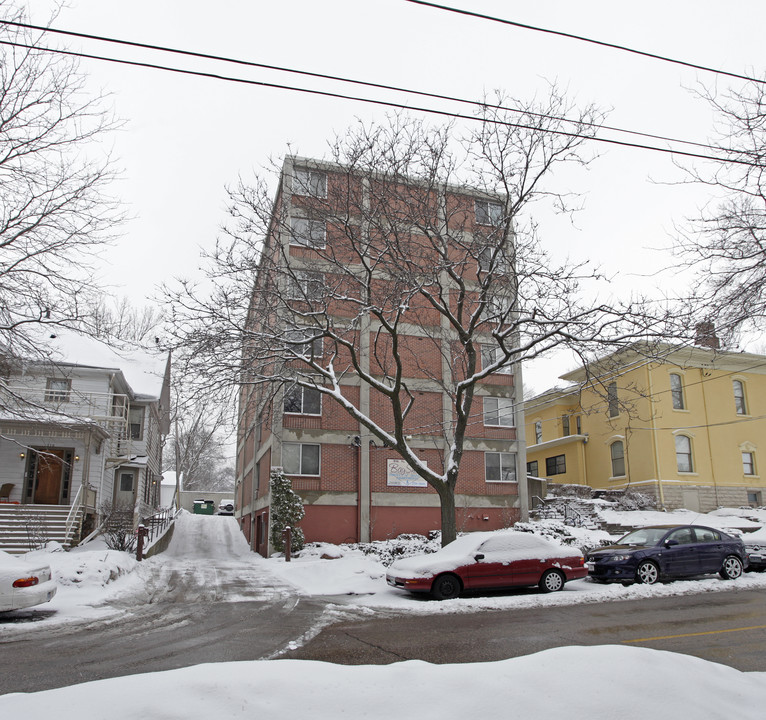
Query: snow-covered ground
point(571, 682)
point(212, 558)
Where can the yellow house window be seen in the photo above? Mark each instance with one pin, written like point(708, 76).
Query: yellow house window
point(684, 454)
point(748, 463)
point(739, 397)
point(677, 392)
point(617, 451)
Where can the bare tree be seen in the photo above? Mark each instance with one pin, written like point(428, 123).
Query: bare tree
point(54, 214)
point(404, 259)
point(199, 447)
point(726, 244)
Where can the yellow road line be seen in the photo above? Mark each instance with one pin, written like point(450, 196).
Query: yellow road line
point(708, 632)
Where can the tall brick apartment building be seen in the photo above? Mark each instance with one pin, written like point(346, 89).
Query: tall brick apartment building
point(341, 242)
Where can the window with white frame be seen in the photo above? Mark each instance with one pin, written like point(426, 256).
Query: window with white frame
point(617, 453)
point(310, 182)
point(491, 354)
point(684, 454)
point(499, 467)
point(57, 389)
point(304, 285)
point(748, 463)
point(677, 391)
point(498, 411)
point(303, 401)
point(308, 233)
point(303, 342)
point(740, 404)
point(538, 432)
point(136, 422)
point(488, 212)
point(300, 458)
point(565, 427)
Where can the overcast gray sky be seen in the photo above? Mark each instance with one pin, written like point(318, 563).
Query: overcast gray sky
point(185, 138)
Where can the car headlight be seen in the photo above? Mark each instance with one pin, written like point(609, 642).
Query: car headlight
point(620, 558)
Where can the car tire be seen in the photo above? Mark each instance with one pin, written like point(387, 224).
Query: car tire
point(732, 568)
point(552, 581)
point(446, 587)
point(647, 572)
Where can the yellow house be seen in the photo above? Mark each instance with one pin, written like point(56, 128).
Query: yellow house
point(687, 425)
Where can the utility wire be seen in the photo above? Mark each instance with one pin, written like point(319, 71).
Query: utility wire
point(352, 81)
point(373, 101)
point(601, 43)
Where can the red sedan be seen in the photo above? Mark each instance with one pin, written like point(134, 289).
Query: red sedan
point(489, 561)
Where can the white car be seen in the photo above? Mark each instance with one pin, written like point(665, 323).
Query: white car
point(226, 507)
point(23, 584)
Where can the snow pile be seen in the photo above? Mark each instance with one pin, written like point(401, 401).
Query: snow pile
point(720, 520)
point(86, 569)
point(578, 683)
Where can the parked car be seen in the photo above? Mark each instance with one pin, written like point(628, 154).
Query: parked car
point(756, 554)
point(489, 561)
point(23, 584)
point(651, 554)
point(226, 507)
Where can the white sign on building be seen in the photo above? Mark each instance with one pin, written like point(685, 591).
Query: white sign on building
point(400, 474)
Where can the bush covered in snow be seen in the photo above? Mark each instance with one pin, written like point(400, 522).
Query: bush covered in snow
point(386, 551)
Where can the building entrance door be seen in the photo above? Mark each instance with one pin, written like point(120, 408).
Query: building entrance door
point(50, 470)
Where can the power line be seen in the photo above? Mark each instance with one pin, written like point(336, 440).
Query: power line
point(373, 101)
point(352, 81)
point(602, 43)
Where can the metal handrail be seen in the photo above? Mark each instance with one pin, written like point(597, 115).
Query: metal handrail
point(72, 514)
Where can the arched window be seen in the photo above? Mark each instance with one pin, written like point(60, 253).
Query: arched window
point(617, 451)
point(739, 397)
point(677, 391)
point(684, 454)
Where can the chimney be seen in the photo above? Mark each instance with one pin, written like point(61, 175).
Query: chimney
point(705, 336)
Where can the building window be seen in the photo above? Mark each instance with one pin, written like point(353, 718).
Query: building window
point(538, 432)
point(748, 463)
point(136, 423)
point(304, 401)
point(488, 212)
point(565, 426)
point(677, 391)
point(304, 285)
point(739, 397)
point(491, 354)
point(309, 233)
point(578, 425)
point(499, 467)
point(492, 260)
point(617, 451)
point(301, 342)
point(556, 465)
point(498, 411)
point(532, 468)
point(300, 459)
point(684, 454)
point(612, 400)
point(57, 390)
point(310, 182)
point(754, 497)
point(126, 482)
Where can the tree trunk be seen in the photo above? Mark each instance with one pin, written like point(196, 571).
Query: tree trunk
point(449, 522)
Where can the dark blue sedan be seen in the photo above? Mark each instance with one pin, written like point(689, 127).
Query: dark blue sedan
point(651, 554)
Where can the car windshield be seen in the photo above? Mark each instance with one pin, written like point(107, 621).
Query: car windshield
point(644, 536)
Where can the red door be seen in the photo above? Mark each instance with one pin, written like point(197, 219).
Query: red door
point(50, 466)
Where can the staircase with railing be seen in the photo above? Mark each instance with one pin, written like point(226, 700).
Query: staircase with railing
point(31, 527)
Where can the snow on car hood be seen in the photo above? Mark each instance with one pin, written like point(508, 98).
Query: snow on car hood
point(501, 546)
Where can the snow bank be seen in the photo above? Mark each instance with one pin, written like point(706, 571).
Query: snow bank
point(573, 682)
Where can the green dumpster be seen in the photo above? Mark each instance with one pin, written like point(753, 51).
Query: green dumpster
point(204, 507)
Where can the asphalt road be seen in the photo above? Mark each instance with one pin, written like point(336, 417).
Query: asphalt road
point(728, 628)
